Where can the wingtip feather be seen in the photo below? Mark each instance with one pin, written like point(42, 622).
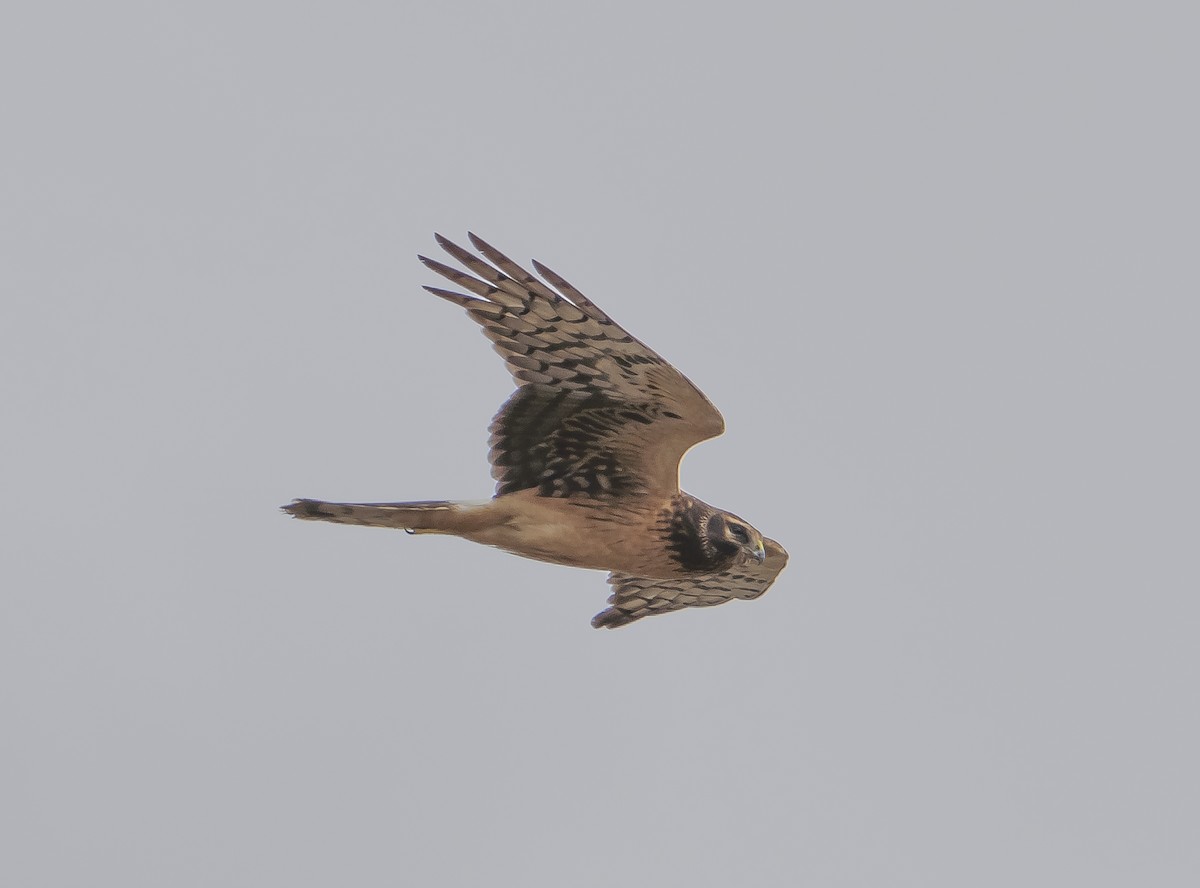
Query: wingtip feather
point(451, 296)
point(608, 619)
point(480, 244)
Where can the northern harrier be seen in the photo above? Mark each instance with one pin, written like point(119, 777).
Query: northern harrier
point(586, 454)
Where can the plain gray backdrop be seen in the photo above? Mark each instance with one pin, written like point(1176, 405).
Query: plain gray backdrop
point(935, 262)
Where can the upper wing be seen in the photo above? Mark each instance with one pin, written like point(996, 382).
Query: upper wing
point(596, 412)
point(637, 597)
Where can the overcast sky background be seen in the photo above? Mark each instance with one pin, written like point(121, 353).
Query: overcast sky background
point(935, 262)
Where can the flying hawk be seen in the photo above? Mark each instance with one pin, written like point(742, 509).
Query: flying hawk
point(585, 454)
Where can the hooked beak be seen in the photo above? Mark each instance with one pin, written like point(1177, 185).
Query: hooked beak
point(759, 554)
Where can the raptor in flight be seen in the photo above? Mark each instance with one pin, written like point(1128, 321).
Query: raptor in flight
point(585, 454)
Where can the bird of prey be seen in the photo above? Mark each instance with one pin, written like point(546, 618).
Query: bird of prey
point(585, 453)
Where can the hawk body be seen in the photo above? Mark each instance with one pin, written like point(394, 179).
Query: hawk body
point(585, 454)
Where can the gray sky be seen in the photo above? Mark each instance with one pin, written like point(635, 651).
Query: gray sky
point(935, 263)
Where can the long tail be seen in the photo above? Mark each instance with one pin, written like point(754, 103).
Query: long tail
point(426, 517)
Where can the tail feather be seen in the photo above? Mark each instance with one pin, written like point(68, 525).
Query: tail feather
point(424, 517)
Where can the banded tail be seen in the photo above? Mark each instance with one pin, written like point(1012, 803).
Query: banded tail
point(436, 516)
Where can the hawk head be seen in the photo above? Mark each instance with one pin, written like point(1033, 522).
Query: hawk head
point(729, 535)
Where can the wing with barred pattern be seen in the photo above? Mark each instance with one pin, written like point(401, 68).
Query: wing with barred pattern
point(637, 597)
point(596, 413)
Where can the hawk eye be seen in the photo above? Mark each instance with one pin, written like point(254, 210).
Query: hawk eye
point(739, 533)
